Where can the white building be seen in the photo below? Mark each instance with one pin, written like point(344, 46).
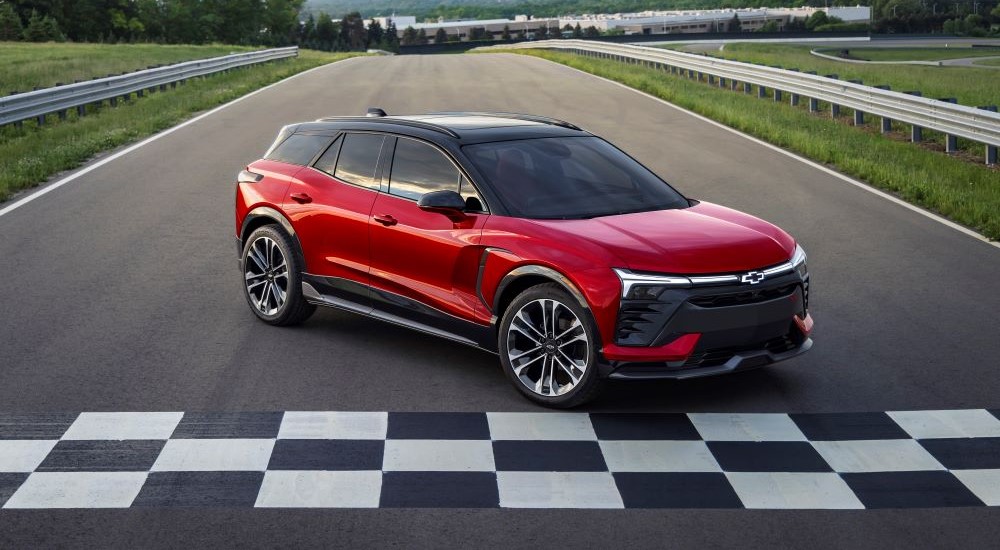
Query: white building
point(646, 22)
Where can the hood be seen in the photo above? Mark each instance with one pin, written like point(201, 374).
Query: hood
point(705, 238)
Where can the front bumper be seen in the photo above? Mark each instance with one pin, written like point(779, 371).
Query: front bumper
point(686, 333)
point(740, 361)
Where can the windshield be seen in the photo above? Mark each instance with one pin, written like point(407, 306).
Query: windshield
point(570, 177)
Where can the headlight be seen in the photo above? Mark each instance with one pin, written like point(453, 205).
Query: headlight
point(642, 286)
point(799, 261)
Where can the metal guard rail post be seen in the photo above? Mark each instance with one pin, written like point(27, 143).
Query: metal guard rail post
point(24, 106)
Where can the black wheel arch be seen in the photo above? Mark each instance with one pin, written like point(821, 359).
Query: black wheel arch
point(265, 215)
point(524, 277)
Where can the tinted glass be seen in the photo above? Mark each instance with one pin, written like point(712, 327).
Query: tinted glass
point(328, 161)
point(358, 159)
point(418, 168)
point(570, 177)
point(299, 148)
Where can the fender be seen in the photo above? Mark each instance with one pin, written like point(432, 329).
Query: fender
point(273, 215)
point(542, 271)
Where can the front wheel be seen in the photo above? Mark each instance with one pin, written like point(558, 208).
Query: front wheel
point(548, 347)
point(272, 280)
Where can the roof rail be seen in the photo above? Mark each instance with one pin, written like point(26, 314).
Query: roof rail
point(391, 120)
point(517, 116)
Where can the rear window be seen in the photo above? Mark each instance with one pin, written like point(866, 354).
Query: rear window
point(569, 178)
point(299, 149)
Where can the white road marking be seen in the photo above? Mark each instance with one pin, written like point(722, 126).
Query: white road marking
point(746, 427)
point(78, 490)
point(433, 455)
point(558, 490)
point(313, 489)
point(24, 455)
point(214, 455)
point(334, 425)
point(123, 425)
point(87, 169)
point(659, 456)
point(940, 424)
point(985, 484)
point(540, 426)
point(793, 490)
point(890, 455)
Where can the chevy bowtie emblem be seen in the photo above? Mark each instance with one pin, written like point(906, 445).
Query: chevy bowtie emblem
point(752, 277)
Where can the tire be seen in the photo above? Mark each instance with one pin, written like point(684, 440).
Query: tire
point(574, 352)
point(272, 277)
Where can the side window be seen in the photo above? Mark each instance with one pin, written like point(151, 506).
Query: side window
point(418, 168)
point(299, 148)
point(328, 161)
point(358, 159)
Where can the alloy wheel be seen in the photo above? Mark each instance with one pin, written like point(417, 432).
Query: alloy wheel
point(547, 347)
point(266, 275)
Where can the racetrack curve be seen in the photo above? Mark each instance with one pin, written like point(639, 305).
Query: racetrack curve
point(121, 293)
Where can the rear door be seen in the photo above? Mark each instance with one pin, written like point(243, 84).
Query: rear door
point(421, 258)
point(329, 204)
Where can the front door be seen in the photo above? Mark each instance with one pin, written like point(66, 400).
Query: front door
point(424, 265)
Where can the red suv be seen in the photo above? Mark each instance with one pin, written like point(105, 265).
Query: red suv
point(521, 235)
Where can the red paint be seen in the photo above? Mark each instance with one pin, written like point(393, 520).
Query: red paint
point(391, 244)
point(678, 350)
point(804, 325)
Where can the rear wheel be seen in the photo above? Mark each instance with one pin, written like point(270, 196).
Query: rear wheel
point(548, 347)
point(272, 279)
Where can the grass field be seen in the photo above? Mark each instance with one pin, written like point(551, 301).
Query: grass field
point(963, 191)
point(971, 86)
point(32, 154)
point(915, 54)
point(27, 66)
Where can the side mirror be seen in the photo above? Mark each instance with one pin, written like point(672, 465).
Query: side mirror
point(449, 203)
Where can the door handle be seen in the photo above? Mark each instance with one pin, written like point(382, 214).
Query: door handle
point(385, 219)
point(301, 198)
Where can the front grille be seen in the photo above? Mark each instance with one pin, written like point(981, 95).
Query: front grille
point(719, 356)
point(742, 298)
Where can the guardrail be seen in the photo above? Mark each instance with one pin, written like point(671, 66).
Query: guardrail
point(24, 106)
point(979, 124)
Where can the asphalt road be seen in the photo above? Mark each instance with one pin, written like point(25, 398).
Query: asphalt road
point(121, 293)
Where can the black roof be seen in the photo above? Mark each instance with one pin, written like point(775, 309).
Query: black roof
point(460, 127)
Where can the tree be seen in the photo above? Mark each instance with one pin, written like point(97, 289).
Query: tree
point(441, 36)
point(816, 19)
point(591, 32)
point(307, 32)
point(505, 35)
point(734, 24)
point(521, 34)
point(477, 33)
point(542, 33)
point(326, 30)
point(770, 26)
point(10, 23)
point(42, 28)
point(375, 34)
point(280, 18)
point(577, 31)
point(422, 37)
point(352, 32)
point(390, 42)
point(409, 36)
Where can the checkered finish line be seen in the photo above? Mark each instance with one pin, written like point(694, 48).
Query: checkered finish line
point(513, 460)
